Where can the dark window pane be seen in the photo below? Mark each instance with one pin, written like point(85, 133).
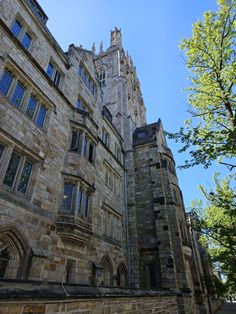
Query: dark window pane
point(4, 259)
point(85, 146)
point(50, 70)
point(25, 176)
point(80, 70)
point(78, 202)
point(141, 134)
point(57, 78)
point(31, 107)
point(11, 170)
point(86, 205)
point(18, 94)
point(16, 28)
point(74, 141)
point(152, 275)
point(70, 270)
point(26, 40)
point(91, 149)
point(67, 197)
point(1, 150)
point(41, 116)
point(5, 82)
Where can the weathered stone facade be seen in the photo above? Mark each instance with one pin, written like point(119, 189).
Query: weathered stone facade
point(89, 196)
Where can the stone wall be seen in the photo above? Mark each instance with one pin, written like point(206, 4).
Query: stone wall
point(70, 299)
point(48, 240)
point(142, 305)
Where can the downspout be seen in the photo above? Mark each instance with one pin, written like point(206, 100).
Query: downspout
point(127, 225)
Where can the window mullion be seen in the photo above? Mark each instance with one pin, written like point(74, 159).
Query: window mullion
point(77, 199)
point(82, 202)
point(36, 111)
point(22, 33)
point(26, 98)
point(12, 87)
point(19, 172)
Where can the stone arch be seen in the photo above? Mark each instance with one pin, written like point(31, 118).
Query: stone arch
point(107, 267)
point(13, 252)
point(121, 275)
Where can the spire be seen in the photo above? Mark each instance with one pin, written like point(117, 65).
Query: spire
point(101, 47)
point(116, 37)
point(93, 48)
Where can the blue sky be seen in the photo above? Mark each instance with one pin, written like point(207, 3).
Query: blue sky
point(151, 31)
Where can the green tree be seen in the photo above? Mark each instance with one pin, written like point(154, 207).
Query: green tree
point(210, 133)
point(217, 223)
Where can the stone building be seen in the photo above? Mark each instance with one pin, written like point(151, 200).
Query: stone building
point(89, 199)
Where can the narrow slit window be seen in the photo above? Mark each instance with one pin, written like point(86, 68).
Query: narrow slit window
point(91, 152)
point(86, 204)
point(85, 146)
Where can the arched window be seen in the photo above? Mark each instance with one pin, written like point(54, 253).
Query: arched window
point(102, 77)
point(4, 260)
point(12, 253)
point(121, 276)
point(107, 271)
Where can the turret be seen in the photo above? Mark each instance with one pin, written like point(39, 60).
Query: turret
point(116, 37)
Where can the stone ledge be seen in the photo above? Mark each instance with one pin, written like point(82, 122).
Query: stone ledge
point(21, 289)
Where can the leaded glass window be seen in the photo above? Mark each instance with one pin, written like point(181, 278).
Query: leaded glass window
point(101, 77)
point(18, 94)
point(41, 116)
point(25, 176)
point(30, 110)
point(12, 170)
point(50, 70)
point(75, 141)
point(67, 197)
point(26, 41)
point(5, 82)
point(16, 28)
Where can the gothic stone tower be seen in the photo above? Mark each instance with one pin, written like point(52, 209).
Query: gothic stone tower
point(159, 249)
